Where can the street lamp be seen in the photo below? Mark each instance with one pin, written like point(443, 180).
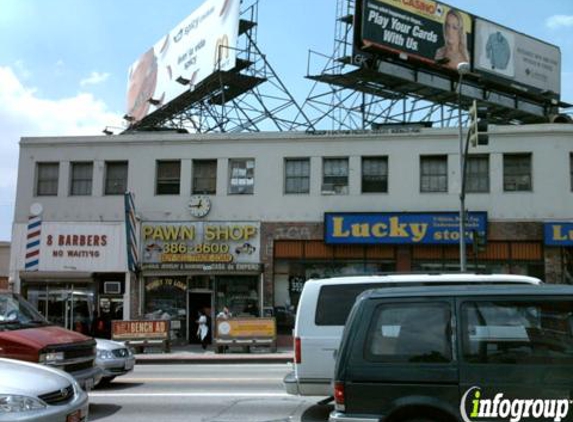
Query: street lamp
point(463, 69)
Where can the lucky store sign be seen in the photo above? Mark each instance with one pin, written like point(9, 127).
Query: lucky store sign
point(201, 242)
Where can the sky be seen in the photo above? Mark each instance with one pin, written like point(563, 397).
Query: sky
point(63, 63)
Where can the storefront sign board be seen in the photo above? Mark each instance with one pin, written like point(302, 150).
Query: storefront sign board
point(400, 228)
point(558, 234)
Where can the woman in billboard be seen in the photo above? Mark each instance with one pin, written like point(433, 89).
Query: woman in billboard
point(455, 49)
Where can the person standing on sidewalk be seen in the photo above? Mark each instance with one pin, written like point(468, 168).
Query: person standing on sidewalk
point(202, 329)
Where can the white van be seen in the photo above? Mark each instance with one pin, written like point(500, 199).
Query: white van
point(322, 311)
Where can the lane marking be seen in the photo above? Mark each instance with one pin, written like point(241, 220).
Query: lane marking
point(213, 394)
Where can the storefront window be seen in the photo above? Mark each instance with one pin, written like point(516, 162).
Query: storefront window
point(165, 299)
point(240, 294)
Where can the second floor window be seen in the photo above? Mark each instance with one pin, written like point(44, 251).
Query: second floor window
point(517, 172)
point(242, 176)
point(115, 177)
point(47, 179)
point(297, 175)
point(335, 175)
point(434, 173)
point(204, 177)
point(168, 177)
point(477, 174)
point(374, 174)
point(82, 176)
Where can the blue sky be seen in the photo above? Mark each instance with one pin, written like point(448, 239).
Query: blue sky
point(63, 63)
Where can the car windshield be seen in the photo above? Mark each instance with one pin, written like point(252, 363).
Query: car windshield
point(16, 312)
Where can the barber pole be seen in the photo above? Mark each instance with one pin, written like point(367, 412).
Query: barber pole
point(33, 243)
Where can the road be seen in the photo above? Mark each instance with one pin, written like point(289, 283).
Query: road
point(205, 393)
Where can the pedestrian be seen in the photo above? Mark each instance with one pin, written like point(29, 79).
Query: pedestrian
point(224, 314)
point(202, 329)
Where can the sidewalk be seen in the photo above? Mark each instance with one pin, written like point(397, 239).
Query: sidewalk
point(193, 353)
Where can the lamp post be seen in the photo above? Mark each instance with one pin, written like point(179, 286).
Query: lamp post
point(463, 69)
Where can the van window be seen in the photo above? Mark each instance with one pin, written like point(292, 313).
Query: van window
point(335, 302)
point(410, 332)
point(517, 332)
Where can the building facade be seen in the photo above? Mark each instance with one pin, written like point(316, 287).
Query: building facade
point(243, 220)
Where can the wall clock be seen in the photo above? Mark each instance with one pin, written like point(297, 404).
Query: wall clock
point(199, 205)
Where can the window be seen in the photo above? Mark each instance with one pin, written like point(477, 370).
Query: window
point(374, 174)
point(242, 176)
point(297, 175)
point(82, 174)
point(434, 173)
point(477, 174)
point(47, 179)
point(524, 332)
point(335, 176)
point(115, 177)
point(410, 332)
point(168, 177)
point(517, 172)
point(204, 177)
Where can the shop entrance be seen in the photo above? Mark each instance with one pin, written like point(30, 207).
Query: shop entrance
point(199, 301)
point(71, 309)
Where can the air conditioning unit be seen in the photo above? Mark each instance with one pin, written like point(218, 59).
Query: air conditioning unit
point(112, 287)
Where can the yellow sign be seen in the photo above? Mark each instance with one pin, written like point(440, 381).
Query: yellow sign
point(246, 328)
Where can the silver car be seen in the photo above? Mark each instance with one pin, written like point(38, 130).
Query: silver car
point(114, 358)
point(38, 393)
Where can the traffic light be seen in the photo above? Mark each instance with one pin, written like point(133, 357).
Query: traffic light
point(478, 125)
point(479, 241)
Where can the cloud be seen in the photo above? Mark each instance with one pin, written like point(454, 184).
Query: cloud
point(559, 21)
point(24, 113)
point(94, 78)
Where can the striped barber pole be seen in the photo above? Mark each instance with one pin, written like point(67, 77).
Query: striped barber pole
point(130, 232)
point(34, 231)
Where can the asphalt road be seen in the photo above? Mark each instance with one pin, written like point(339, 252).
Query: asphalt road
point(203, 393)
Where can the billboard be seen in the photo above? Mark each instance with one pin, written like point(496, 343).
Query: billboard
point(514, 57)
point(204, 42)
point(423, 30)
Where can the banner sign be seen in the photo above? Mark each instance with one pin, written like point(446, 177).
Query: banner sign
point(558, 234)
point(204, 42)
point(201, 243)
point(516, 57)
point(425, 30)
point(400, 228)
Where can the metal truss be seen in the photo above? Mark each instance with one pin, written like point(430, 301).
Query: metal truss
point(365, 92)
point(249, 98)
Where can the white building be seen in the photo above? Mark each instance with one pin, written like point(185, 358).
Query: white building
point(239, 219)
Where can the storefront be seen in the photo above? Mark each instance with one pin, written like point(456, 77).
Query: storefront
point(375, 243)
point(200, 266)
point(80, 275)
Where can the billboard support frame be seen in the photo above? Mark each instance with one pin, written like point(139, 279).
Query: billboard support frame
point(248, 98)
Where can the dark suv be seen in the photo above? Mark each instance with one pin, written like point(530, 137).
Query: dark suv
point(457, 353)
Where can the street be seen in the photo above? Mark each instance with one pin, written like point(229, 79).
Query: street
point(207, 393)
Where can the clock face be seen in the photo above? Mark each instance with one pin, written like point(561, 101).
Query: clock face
point(199, 205)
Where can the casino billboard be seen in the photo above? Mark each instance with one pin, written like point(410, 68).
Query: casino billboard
point(202, 43)
point(507, 56)
point(422, 30)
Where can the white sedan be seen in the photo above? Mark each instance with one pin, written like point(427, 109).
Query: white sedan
point(114, 358)
point(39, 393)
